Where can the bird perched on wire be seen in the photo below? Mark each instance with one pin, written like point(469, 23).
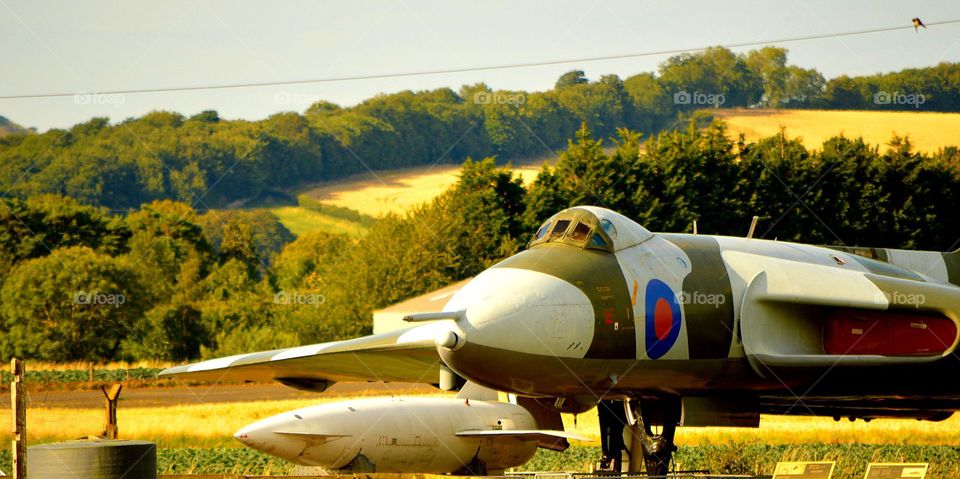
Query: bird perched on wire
point(917, 24)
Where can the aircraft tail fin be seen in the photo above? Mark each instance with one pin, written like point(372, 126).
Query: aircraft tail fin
point(952, 261)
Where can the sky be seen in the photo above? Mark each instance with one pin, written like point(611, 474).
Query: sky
point(99, 46)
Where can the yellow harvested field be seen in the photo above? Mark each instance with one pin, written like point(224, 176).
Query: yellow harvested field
point(396, 191)
point(195, 425)
point(213, 425)
point(928, 131)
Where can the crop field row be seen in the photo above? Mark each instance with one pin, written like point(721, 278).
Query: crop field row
point(51, 376)
point(728, 458)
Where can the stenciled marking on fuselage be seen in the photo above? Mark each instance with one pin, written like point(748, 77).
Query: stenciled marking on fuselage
point(662, 318)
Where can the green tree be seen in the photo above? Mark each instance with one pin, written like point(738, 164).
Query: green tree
point(803, 88)
point(843, 92)
point(172, 332)
point(310, 255)
point(572, 77)
point(770, 65)
point(714, 71)
point(693, 175)
point(168, 245)
point(545, 196)
point(777, 171)
point(34, 228)
point(253, 236)
point(653, 105)
point(72, 305)
point(244, 340)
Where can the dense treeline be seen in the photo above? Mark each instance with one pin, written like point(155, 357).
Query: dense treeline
point(845, 193)
point(208, 162)
point(167, 282)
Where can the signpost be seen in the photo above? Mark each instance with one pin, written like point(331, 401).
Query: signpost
point(803, 470)
point(896, 470)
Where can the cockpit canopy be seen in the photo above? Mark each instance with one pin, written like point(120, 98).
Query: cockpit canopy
point(591, 227)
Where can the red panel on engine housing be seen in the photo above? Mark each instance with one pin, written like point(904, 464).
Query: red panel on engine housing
point(887, 333)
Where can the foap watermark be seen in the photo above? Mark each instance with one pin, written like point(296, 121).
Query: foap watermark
point(299, 298)
point(899, 98)
point(684, 97)
point(498, 98)
point(99, 99)
point(697, 298)
point(98, 298)
point(897, 298)
point(519, 300)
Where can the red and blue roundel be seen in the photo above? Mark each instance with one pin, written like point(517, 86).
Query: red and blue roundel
point(662, 318)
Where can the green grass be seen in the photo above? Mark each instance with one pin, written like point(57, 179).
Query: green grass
point(727, 458)
point(758, 458)
point(300, 220)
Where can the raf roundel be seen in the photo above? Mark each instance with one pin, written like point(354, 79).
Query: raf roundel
point(663, 317)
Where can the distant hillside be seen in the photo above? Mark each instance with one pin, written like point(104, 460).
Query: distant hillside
point(8, 127)
point(217, 163)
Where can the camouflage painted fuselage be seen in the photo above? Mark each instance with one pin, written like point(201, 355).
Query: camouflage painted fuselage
point(603, 308)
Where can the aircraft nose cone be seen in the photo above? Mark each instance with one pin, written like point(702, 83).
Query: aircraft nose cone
point(250, 436)
point(521, 310)
point(243, 436)
point(261, 436)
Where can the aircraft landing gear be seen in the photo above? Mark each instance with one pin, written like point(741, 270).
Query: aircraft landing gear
point(655, 449)
point(613, 420)
point(647, 451)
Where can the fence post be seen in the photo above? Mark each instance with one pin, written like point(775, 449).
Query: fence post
point(18, 405)
point(113, 395)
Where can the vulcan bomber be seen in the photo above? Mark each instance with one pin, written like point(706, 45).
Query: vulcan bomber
point(666, 330)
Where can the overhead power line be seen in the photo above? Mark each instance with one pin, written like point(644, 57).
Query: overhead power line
point(472, 69)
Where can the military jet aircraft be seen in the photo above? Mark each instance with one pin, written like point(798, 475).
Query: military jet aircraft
point(661, 330)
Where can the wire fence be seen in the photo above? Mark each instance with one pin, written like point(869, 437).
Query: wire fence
point(66, 404)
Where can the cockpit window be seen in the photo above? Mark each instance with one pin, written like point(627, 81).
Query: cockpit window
point(609, 228)
point(560, 229)
point(580, 232)
point(543, 230)
point(598, 242)
point(574, 228)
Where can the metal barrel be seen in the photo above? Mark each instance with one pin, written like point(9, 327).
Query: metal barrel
point(86, 459)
